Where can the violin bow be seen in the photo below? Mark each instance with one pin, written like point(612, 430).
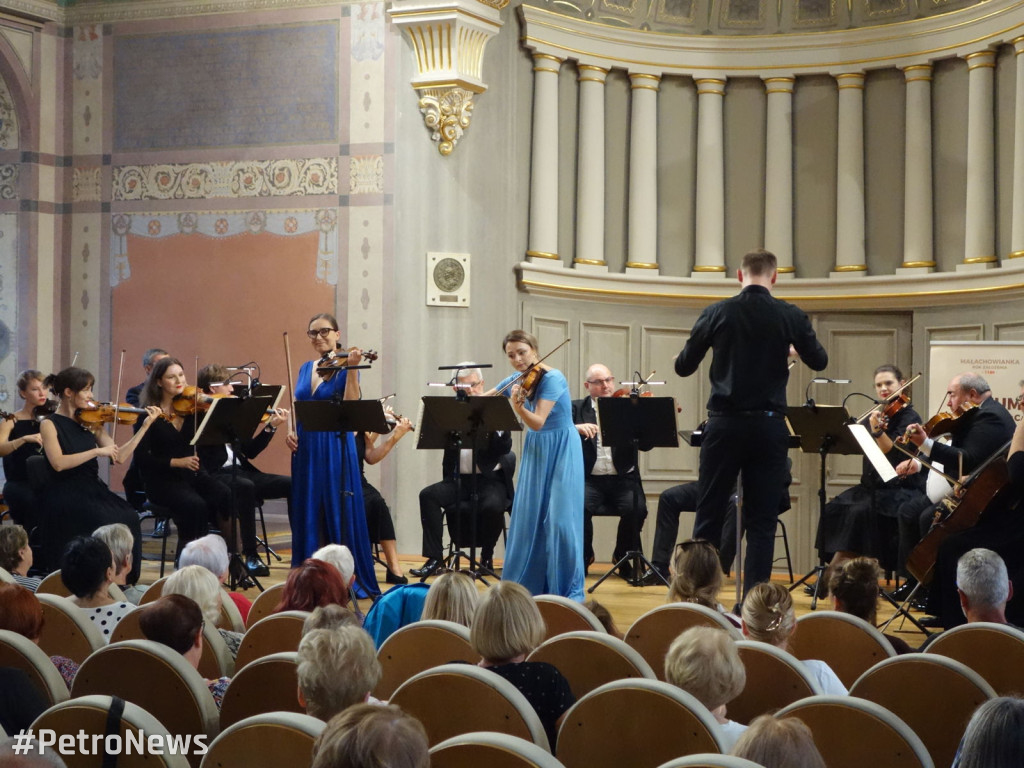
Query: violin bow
point(291, 385)
point(532, 365)
point(886, 401)
point(117, 398)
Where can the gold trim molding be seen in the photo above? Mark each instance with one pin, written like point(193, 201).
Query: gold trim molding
point(1015, 255)
point(850, 268)
point(709, 268)
point(917, 264)
point(591, 262)
point(640, 265)
point(980, 260)
point(543, 255)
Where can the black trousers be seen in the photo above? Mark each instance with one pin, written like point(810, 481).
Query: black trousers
point(434, 499)
point(915, 519)
point(250, 489)
point(613, 495)
point(194, 504)
point(671, 502)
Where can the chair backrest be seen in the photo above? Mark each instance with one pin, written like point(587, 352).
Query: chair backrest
point(154, 592)
point(266, 603)
point(475, 699)
point(493, 750)
point(279, 739)
point(994, 651)
point(909, 686)
point(67, 631)
point(589, 659)
point(711, 760)
point(640, 723)
point(419, 646)
point(854, 733)
point(653, 633)
point(775, 678)
point(88, 714)
point(5, 577)
point(230, 617)
point(215, 662)
point(53, 584)
point(269, 684)
point(561, 615)
point(21, 653)
point(848, 644)
point(156, 678)
point(273, 634)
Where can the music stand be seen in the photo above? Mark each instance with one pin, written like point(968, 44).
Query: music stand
point(225, 423)
point(641, 423)
point(451, 422)
point(340, 417)
point(822, 430)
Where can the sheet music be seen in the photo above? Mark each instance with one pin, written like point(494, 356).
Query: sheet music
point(867, 444)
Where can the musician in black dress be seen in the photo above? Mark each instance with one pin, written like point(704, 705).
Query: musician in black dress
point(75, 502)
point(19, 439)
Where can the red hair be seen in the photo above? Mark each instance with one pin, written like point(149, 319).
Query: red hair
point(20, 611)
point(313, 584)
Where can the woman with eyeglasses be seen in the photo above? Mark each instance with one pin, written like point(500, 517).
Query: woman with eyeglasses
point(324, 467)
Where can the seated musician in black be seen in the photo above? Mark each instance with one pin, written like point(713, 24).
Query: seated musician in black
point(493, 482)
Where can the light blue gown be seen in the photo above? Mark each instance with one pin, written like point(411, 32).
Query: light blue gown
point(544, 552)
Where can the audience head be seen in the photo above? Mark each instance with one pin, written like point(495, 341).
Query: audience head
point(118, 537)
point(87, 567)
point(20, 611)
point(452, 597)
point(336, 669)
point(175, 621)
point(768, 614)
point(210, 551)
point(369, 736)
point(854, 588)
point(198, 584)
point(696, 574)
point(603, 615)
point(983, 582)
point(341, 558)
point(330, 617)
point(779, 742)
point(507, 623)
point(705, 662)
point(312, 584)
point(15, 553)
point(994, 736)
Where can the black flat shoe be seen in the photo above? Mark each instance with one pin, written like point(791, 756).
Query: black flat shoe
point(901, 594)
point(428, 569)
point(931, 622)
point(255, 566)
point(393, 578)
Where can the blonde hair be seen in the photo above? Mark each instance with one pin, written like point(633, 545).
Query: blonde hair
point(768, 614)
point(696, 574)
point(201, 585)
point(452, 597)
point(370, 736)
point(336, 669)
point(331, 616)
point(779, 742)
point(507, 623)
point(705, 662)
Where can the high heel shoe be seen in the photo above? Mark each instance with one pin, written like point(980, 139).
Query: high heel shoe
point(393, 578)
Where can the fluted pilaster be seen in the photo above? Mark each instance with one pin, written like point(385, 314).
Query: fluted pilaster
point(979, 237)
point(590, 170)
point(918, 245)
point(543, 242)
point(778, 173)
point(1017, 220)
point(850, 254)
point(643, 173)
point(710, 225)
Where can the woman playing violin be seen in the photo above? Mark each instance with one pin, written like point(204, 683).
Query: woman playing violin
point(19, 439)
point(544, 552)
point(325, 469)
point(76, 502)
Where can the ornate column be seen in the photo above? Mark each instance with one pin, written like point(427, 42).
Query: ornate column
point(643, 174)
point(710, 254)
point(590, 171)
point(543, 242)
point(979, 238)
point(850, 256)
point(1017, 225)
point(918, 246)
point(778, 173)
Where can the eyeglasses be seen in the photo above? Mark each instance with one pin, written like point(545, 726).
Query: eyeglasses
point(323, 333)
point(595, 382)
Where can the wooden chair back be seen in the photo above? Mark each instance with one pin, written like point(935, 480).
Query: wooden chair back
point(269, 684)
point(590, 659)
point(653, 633)
point(598, 732)
point(419, 646)
point(711, 760)
point(215, 662)
point(273, 634)
point(775, 678)
point(21, 653)
point(6, 577)
point(562, 615)
point(67, 631)
point(230, 617)
point(265, 604)
point(994, 651)
point(848, 644)
point(494, 750)
point(278, 739)
point(154, 592)
point(53, 584)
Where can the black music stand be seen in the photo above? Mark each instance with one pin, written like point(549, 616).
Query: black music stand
point(227, 421)
point(822, 430)
point(451, 422)
point(643, 423)
point(340, 417)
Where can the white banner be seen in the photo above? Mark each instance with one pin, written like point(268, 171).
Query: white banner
point(1001, 363)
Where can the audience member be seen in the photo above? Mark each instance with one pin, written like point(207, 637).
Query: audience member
point(15, 753)
point(87, 570)
point(366, 736)
point(329, 617)
point(779, 742)
point(211, 552)
point(696, 576)
point(16, 555)
point(336, 669)
point(506, 628)
point(994, 736)
point(21, 612)
point(705, 662)
point(177, 622)
point(118, 537)
point(854, 589)
point(603, 615)
point(452, 597)
point(20, 702)
point(200, 585)
point(312, 584)
point(768, 616)
point(983, 585)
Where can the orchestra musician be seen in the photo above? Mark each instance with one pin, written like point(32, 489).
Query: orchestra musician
point(544, 552)
point(19, 439)
point(751, 334)
point(75, 502)
point(149, 358)
point(327, 507)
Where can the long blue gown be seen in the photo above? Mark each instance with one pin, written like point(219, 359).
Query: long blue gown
point(544, 552)
point(317, 470)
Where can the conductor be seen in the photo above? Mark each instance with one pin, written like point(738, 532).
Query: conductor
point(751, 334)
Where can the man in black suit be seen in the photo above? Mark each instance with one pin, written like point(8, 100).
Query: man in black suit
point(493, 485)
point(237, 472)
point(611, 475)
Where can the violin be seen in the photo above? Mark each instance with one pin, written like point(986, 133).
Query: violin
point(392, 419)
point(328, 365)
point(941, 423)
point(191, 401)
point(48, 408)
point(900, 402)
point(530, 378)
point(96, 414)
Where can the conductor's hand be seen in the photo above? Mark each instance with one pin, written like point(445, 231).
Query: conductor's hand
point(908, 467)
point(587, 431)
point(292, 441)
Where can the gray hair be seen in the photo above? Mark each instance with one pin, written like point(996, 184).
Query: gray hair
point(995, 735)
point(210, 551)
point(149, 354)
point(464, 373)
point(340, 557)
point(969, 381)
point(336, 669)
point(201, 585)
point(118, 537)
point(981, 575)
